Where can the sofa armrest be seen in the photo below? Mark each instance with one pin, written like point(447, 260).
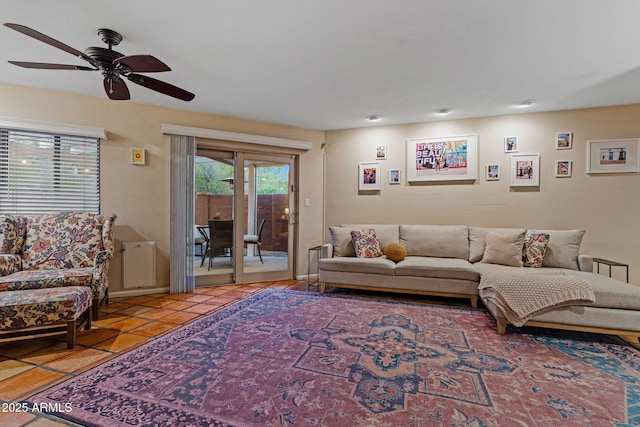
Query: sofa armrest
point(327, 251)
point(585, 263)
point(9, 264)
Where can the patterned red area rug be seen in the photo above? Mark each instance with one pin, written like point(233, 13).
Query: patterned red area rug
point(297, 358)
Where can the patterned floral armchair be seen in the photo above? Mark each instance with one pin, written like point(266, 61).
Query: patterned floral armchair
point(64, 249)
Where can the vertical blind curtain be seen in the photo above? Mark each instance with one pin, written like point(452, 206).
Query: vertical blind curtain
point(183, 151)
point(44, 173)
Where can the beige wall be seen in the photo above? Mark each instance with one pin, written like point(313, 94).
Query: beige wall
point(606, 206)
point(139, 195)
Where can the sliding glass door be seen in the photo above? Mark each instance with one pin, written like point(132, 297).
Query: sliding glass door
point(244, 216)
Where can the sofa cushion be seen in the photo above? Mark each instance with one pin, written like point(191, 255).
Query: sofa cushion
point(40, 279)
point(380, 265)
point(535, 246)
point(562, 249)
point(478, 240)
point(386, 233)
point(366, 243)
point(446, 268)
point(37, 307)
point(341, 241)
point(610, 293)
point(441, 241)
point(504, 247)
point(64, 240)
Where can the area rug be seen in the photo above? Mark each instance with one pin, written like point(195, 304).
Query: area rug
point(283, 358)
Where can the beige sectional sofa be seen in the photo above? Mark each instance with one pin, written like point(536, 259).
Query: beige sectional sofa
point(450, 261)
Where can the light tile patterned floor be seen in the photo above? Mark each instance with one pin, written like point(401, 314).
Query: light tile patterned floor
point(30, 365)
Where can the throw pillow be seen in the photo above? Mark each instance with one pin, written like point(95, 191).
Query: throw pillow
point(504, 248)
point(535, 246)
point(341, 240)
point(563, 248)
point(366, 243)
point(395, 252)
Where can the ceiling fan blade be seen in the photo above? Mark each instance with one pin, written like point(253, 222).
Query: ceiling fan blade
point(47, 66)
point(50, 41)
point(160, 86)
point(116, 88)
point(142, 63)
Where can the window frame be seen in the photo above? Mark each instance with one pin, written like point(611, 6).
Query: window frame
point(68, 192)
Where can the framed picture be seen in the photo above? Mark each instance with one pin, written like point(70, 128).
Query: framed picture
point(492, 172)
point(511, 144)
point(369, 176)
point(612, 156)
point(525, 170)
point(563, 169)
point(394, 176)
point(447, 158)
point(137, 156)
point(564, 140)
point(381, 152)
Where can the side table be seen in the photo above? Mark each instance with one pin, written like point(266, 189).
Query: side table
point(315, 283)
point(611, 264)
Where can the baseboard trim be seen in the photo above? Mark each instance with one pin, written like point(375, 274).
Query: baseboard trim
point(137, 292)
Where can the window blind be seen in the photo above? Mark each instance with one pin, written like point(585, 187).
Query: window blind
point(43, 173)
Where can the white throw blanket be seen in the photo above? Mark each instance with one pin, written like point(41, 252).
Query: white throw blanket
point(521, 294)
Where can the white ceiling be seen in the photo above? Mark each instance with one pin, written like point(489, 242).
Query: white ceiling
point(328, 64)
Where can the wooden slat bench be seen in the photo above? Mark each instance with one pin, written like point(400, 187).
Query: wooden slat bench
point(49, 310)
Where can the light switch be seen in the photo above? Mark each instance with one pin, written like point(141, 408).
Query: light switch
point(307, 202)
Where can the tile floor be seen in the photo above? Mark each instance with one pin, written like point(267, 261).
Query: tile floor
point(30, 365)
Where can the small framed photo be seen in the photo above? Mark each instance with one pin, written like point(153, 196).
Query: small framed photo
point(563, 169)
point(137, 156)
point(613, 156)
point(564, 140)
point(381, 152)
point(369, 176)
point(525, 170)
point(394, 176)
point(492, 172)
point(511, 144)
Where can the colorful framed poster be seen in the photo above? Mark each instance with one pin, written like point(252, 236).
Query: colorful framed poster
point(381, 152)
point(492, 172)
point(564, 140)
point(511, 144)
point(525, 170)
point(563, 169)
point(613, 156)
point(394, 176)
point(369, 176)
point(446, 158)
point(138, 156)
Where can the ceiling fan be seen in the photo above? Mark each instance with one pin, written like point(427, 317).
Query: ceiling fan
point(114, 66)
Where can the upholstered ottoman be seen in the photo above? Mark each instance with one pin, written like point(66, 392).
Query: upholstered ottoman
point(46, 310)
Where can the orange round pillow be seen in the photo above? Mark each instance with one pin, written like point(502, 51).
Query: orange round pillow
point(395, 252)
